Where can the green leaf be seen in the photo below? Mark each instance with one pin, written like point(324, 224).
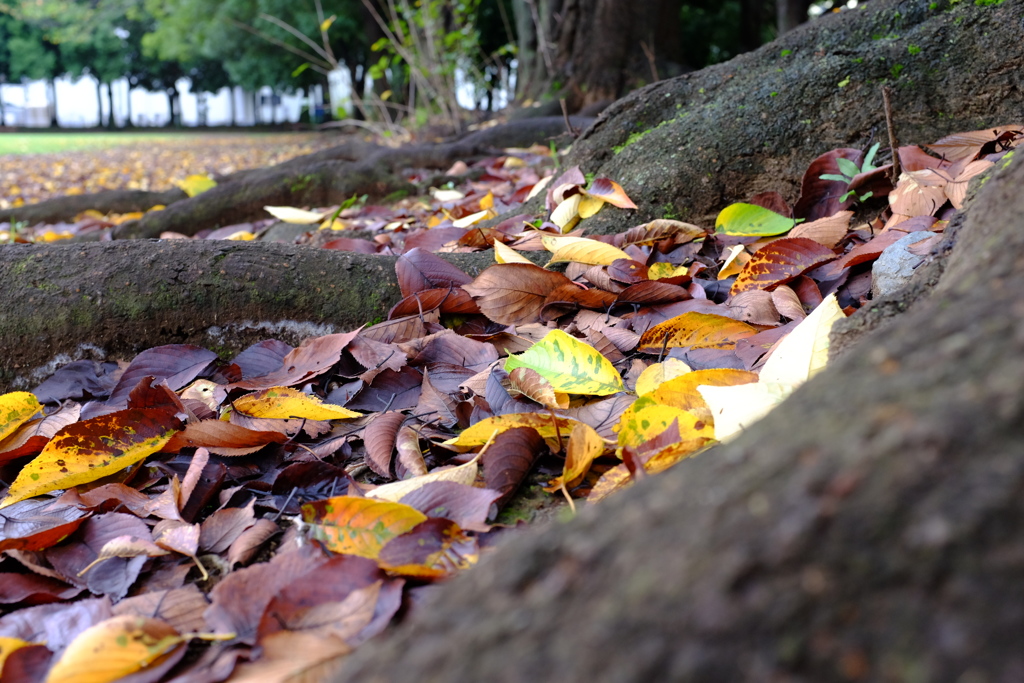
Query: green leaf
point(847, 167)
point(570, 365)
point(836, 177)
point(750, 219)
point(868, 164)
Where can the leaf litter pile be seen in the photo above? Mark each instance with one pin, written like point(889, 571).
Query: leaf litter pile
point(185, 517)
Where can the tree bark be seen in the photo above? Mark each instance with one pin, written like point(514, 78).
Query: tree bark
point(870, 528)
point(66, 301)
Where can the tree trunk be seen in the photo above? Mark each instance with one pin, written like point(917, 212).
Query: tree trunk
point(99, 104)
point(54, 122)
point(634, 38)
point(128, 106)
point(535, 27)
point(790, 13)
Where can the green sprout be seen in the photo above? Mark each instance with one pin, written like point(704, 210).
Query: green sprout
point(849, 170)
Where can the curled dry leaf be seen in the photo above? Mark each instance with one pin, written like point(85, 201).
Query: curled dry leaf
point(585, 445)
point(788, 303)
point(419, 270)
point(754, 306)
point(395, 491)
point(609, 191)
point(380, 436)
point(828, 231)
point(527, 382)
point(510, 458)
point(434, 549)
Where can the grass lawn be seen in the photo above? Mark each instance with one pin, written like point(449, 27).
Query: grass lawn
point(49, 142)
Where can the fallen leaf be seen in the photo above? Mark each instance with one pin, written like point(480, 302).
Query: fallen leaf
point(514, 293)
point(435, 549)
point(570, 365)
point(197, 184)
point(751, 219)
point(506, 254)
point(282, 403)
point(359, 526)
point(695, 330)
point(395, 491)
point(585, 445)
point(91, 449)
point(15, 409)
point(289, 214)
point(115, 648)
point(657, 374)
point(781, 261)
point(609, 191)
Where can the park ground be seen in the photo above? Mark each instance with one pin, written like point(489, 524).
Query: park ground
point(35, 166)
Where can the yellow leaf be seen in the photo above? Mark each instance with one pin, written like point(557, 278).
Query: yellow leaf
point(473, 218)
point(92, 449)
point(241, 236)
point(197, 184)
point(15, 409)
point(481, 432)
point(487, 201)
point(582, 250)
point(572, 366)
point(662, 271)
point(51, 236)
point(359, 526)
point(696, 330)
point(506, 254)
point(804, 351)
point(589, 206)
point(655, 375)
point(115, 648)
point(566, 215)
point(283, 403)
point(681, 392)
point(646, 419)
point(797, 357)
point(326, 23)
point(736, 258)
point(585, 445)
point(735, 408)
point(289, 214)
point(463, 474)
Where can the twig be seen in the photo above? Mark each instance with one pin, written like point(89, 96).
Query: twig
point(894, 172)
point(649, 53)
point(573, 130)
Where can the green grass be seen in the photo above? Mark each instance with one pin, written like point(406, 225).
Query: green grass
point(49, 142)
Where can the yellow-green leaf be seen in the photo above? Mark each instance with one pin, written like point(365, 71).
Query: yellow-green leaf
point(92, 449)
point(15, 410)
point(283, 403)
point(359, 526)
point(751, 219)
point(197, 184)
point(572, 366)
point(646, 419)
point(681, 392)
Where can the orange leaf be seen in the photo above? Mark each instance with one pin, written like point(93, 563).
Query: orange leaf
point(696, 330)
point(681, 392)
point(434, 549)
point(611, 192)
point(781, 261)
point(585, 444)
point(115, 648)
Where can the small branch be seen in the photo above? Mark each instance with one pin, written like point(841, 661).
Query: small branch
point(894, 172)
point(298, 34)
point(573, 130)
point(649, 53)
point(314, 60)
